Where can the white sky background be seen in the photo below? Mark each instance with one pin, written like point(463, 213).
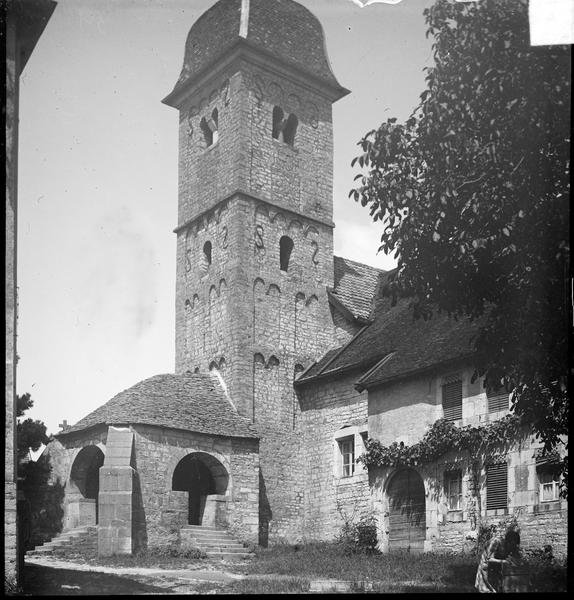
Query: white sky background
point(98, 181)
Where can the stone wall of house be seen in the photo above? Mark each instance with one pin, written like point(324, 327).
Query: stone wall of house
point(331, 409)
point(403, 411)
point(157, 454)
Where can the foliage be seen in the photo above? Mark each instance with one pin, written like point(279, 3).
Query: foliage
point(473, 195)
point(547, 573)
point(29, 433)
point(359, 538)
point(443, 437)
point(40, 509)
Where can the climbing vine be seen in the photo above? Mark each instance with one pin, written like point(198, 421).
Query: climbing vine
point(443, 437)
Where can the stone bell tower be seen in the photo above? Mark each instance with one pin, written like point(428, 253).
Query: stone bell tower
point(255, 230)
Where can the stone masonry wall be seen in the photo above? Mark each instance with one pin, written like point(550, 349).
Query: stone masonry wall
point(10, 499)
point(157, 453)
point(242, 314)
point(329, 407)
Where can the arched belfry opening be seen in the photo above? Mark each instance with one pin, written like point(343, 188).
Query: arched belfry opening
point(285, 249)
point(83, 487)
point(205, 479)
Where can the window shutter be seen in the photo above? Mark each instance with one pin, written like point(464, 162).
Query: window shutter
point(496, 486)
point(452, 400)
point(497, 400)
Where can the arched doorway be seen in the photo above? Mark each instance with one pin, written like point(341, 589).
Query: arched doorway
point(83, 488)
point(407, 512)
point(205, 480)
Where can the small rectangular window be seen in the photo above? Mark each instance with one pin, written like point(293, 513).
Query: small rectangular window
point(453, 489)
point(452, 400)
point(496, 486)
point(497, 400)
point(347, 448)
point(549, 482)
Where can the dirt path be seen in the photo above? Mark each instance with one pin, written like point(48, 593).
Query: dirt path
point(49, 576)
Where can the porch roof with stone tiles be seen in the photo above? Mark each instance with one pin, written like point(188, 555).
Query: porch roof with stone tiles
point(191, 402)
point(396, 344)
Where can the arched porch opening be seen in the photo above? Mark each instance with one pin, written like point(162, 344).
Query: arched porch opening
point(407, 511)
point(83, 488)
point(205, 479)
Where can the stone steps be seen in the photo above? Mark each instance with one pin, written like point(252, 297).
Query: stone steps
point(216, 543)
point(81, 538)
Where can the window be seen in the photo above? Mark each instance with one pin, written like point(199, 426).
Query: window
point(206, 256)
point(284, 129)
point(209, 127)
point(549, 482)
point(290, 129)
point(285, 249)
point(277, 122)
point(496, 486)
point(453, 489)
point(452, 399)
point(347, 449)
point(497, 400)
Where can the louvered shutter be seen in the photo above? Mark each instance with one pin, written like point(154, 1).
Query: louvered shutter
point(497, 400)
point(452, 400)
point(496, 486)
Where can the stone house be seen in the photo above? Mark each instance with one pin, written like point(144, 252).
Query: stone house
point(287, 358)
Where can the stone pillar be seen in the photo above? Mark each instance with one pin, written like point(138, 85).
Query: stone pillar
point(115, 499)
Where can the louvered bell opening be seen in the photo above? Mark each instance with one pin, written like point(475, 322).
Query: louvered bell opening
point(452, 400)
point(498, 400)
point(496, 486)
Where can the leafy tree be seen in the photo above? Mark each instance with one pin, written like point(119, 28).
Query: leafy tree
point(32, 475)
point(29, 433)
point(473, 195)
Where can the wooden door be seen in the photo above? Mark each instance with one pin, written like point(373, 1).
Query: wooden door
point(407, 518)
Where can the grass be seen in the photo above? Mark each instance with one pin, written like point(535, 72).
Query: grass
point(285, 569)
point(327, 561)
point(150, 558)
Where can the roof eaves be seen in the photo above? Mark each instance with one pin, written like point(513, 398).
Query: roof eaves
point(333, 358)
point(251, 434)
point(359, 385)
point(405, 374)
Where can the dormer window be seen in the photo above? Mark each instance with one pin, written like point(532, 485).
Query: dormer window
point(285, 249)
point(284, 129)
point(210, 128)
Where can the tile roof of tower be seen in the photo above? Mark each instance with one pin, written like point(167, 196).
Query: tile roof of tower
point(192, 402)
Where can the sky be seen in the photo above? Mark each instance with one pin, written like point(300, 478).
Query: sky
point(97, 186)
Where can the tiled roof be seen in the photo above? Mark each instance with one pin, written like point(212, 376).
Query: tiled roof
point(396, 344)
point(192, 402)
point(355, 286)
point(283, 28)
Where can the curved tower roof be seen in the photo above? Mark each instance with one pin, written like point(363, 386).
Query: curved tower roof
point(283, 29)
